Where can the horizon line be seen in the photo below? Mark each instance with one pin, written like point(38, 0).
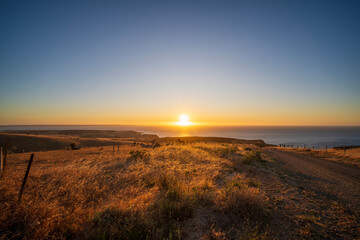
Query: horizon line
point(167, 125)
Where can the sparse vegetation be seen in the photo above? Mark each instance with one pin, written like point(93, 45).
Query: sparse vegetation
point(239, 199)
point(144, 193)
point(92, 195)
point(139, 154)
point(252, 156)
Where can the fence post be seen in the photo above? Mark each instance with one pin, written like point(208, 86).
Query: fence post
point(113, 150)
point(304, 146)
point(25, 178)
point(1, 162)
point(326, 147)
point(5, 153)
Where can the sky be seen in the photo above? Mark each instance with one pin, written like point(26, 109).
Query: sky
point(148, 62)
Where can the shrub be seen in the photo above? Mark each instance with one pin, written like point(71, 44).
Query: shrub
point(167, 181)
point(225, 152)
point(173, 204)
point(254, 183)
point(252, 156)
point(175, 207)
point(118, 224)
point(248, 149)
point(242, 201)
point(142, 154)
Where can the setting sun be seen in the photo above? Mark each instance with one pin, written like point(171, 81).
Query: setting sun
point(184, 120)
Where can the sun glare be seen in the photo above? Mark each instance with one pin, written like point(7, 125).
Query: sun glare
point(184, 120)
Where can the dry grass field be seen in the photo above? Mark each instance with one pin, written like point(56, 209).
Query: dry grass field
point(170, 192)
point(178, 190)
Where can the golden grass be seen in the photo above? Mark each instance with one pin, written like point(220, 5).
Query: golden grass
point(137, 193)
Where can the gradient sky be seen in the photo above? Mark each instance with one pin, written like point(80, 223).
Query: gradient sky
point(220, 62)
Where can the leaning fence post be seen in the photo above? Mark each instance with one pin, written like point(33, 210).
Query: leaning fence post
point(25, 178)
point(5, 153)
point(1, 162)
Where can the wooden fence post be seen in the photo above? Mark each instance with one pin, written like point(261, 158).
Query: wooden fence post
point(1, 162)
point(5, 153)
point(25, 178)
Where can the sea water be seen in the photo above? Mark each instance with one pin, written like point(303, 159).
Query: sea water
point(318, 137)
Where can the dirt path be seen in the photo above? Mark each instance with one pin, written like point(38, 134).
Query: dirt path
point(325, 194)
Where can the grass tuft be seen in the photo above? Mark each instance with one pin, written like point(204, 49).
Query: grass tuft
point(252, 156)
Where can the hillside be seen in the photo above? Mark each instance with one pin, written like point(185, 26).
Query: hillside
point(178, 190)
point(26, 141)
point(35, 140)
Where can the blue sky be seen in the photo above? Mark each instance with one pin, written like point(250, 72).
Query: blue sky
point(221, 62)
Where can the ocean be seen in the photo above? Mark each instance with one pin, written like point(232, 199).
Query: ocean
point(317, 137)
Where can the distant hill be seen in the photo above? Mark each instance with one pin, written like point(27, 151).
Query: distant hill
point(45, 140)
point(25, 141)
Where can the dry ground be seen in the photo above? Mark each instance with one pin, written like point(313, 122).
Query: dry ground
point(350, 156)
point(184, 191)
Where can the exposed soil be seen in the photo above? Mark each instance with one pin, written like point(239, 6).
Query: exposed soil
point(320, 198)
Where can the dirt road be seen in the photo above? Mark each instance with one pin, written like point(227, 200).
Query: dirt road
point(332, 193)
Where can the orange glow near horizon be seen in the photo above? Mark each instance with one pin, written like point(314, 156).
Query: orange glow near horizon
point(184, 120)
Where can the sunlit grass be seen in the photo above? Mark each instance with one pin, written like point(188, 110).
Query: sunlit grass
point(137, 193)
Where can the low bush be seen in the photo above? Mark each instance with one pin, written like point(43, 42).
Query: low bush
point(238, 199)
point(226, 151)
point(251, 156)
point(118, 224)
point(139, 154)
point(173, 203)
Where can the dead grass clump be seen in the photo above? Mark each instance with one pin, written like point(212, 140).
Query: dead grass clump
point(215, 234)
point(225, 152)
point(252, 156)
point(116, 223)
point(240, 200)
point(139, 154)
point(173, 204)
point(221, 152)
point(204, 193)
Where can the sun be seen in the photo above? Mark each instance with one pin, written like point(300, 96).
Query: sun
point(184, 120)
